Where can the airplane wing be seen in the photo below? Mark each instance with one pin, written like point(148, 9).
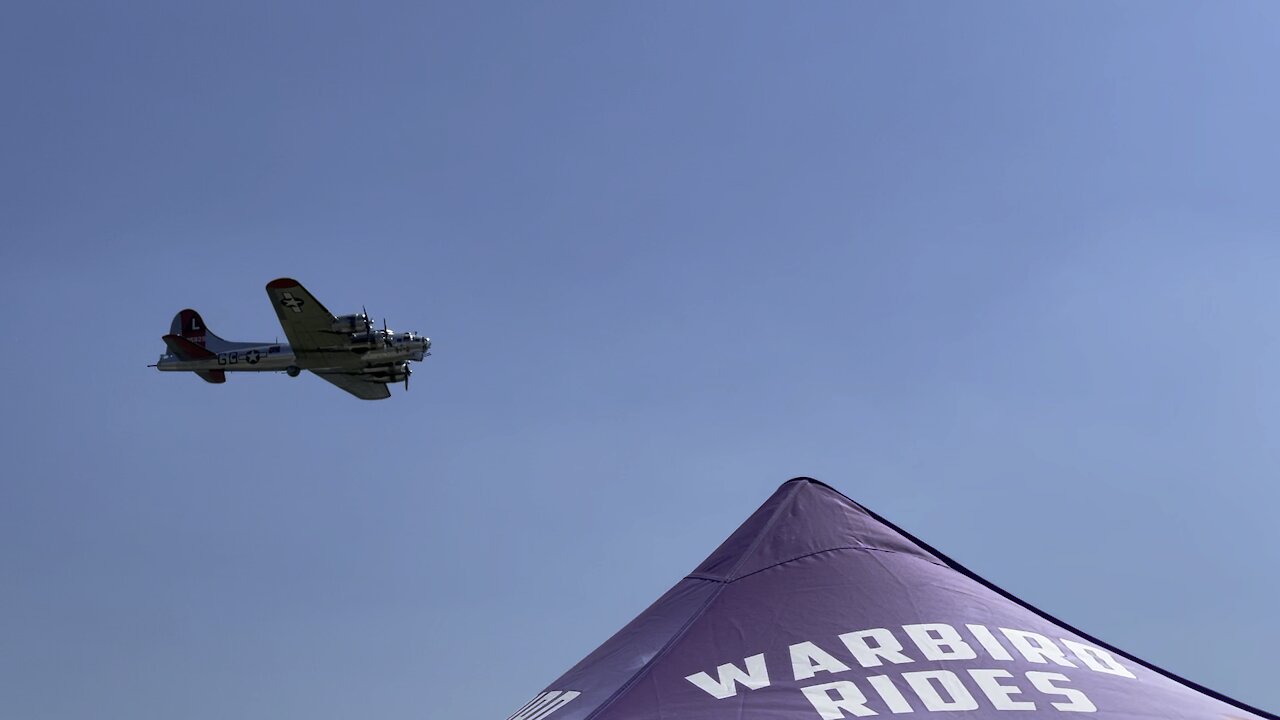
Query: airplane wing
point(357, 385)
point(306, 322)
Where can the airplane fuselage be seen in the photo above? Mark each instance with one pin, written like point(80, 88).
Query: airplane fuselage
point(279, 357)
point(274, 357)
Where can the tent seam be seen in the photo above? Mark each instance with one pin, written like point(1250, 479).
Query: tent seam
point(666, 647)
point(837, 549)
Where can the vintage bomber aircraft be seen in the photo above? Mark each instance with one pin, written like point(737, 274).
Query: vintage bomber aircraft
point(347, 351)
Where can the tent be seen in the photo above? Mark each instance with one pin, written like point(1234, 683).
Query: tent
point(818, 609)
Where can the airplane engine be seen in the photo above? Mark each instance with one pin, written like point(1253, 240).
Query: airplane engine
point(389, 375)
point(371, 339)
point(351, 323)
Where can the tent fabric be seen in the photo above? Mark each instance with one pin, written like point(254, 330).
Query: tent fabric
point(818, 609)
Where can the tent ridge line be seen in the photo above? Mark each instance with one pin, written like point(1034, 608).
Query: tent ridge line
point(839, 548)
point(764, 531)
point(679, 634)
point(703, 576)
point(957, 567)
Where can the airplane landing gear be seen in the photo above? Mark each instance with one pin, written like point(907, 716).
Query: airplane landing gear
point(293, 370)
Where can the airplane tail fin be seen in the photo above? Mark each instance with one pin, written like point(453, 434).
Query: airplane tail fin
point(188, 325)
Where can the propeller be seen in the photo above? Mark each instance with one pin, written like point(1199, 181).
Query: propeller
point(365, 312)
point(407, 372)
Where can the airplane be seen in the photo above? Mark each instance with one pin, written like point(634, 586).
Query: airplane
point(346, 351)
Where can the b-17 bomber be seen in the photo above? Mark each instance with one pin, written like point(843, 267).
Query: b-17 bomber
point(347, 351)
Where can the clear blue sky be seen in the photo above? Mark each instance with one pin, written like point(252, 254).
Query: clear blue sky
point(1005, 273)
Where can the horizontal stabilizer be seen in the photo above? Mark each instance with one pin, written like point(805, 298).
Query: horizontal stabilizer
point(185, 349)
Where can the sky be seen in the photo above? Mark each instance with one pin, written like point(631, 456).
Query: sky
point(1005, 273)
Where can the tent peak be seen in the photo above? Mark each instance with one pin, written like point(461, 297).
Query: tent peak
point(802, 518)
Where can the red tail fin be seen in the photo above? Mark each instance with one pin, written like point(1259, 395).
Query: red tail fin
point(188, 324)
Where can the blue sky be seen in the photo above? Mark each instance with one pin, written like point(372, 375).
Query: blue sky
point(1003, 272)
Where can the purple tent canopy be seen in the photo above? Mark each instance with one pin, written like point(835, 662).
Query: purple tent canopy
point(818, 609)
